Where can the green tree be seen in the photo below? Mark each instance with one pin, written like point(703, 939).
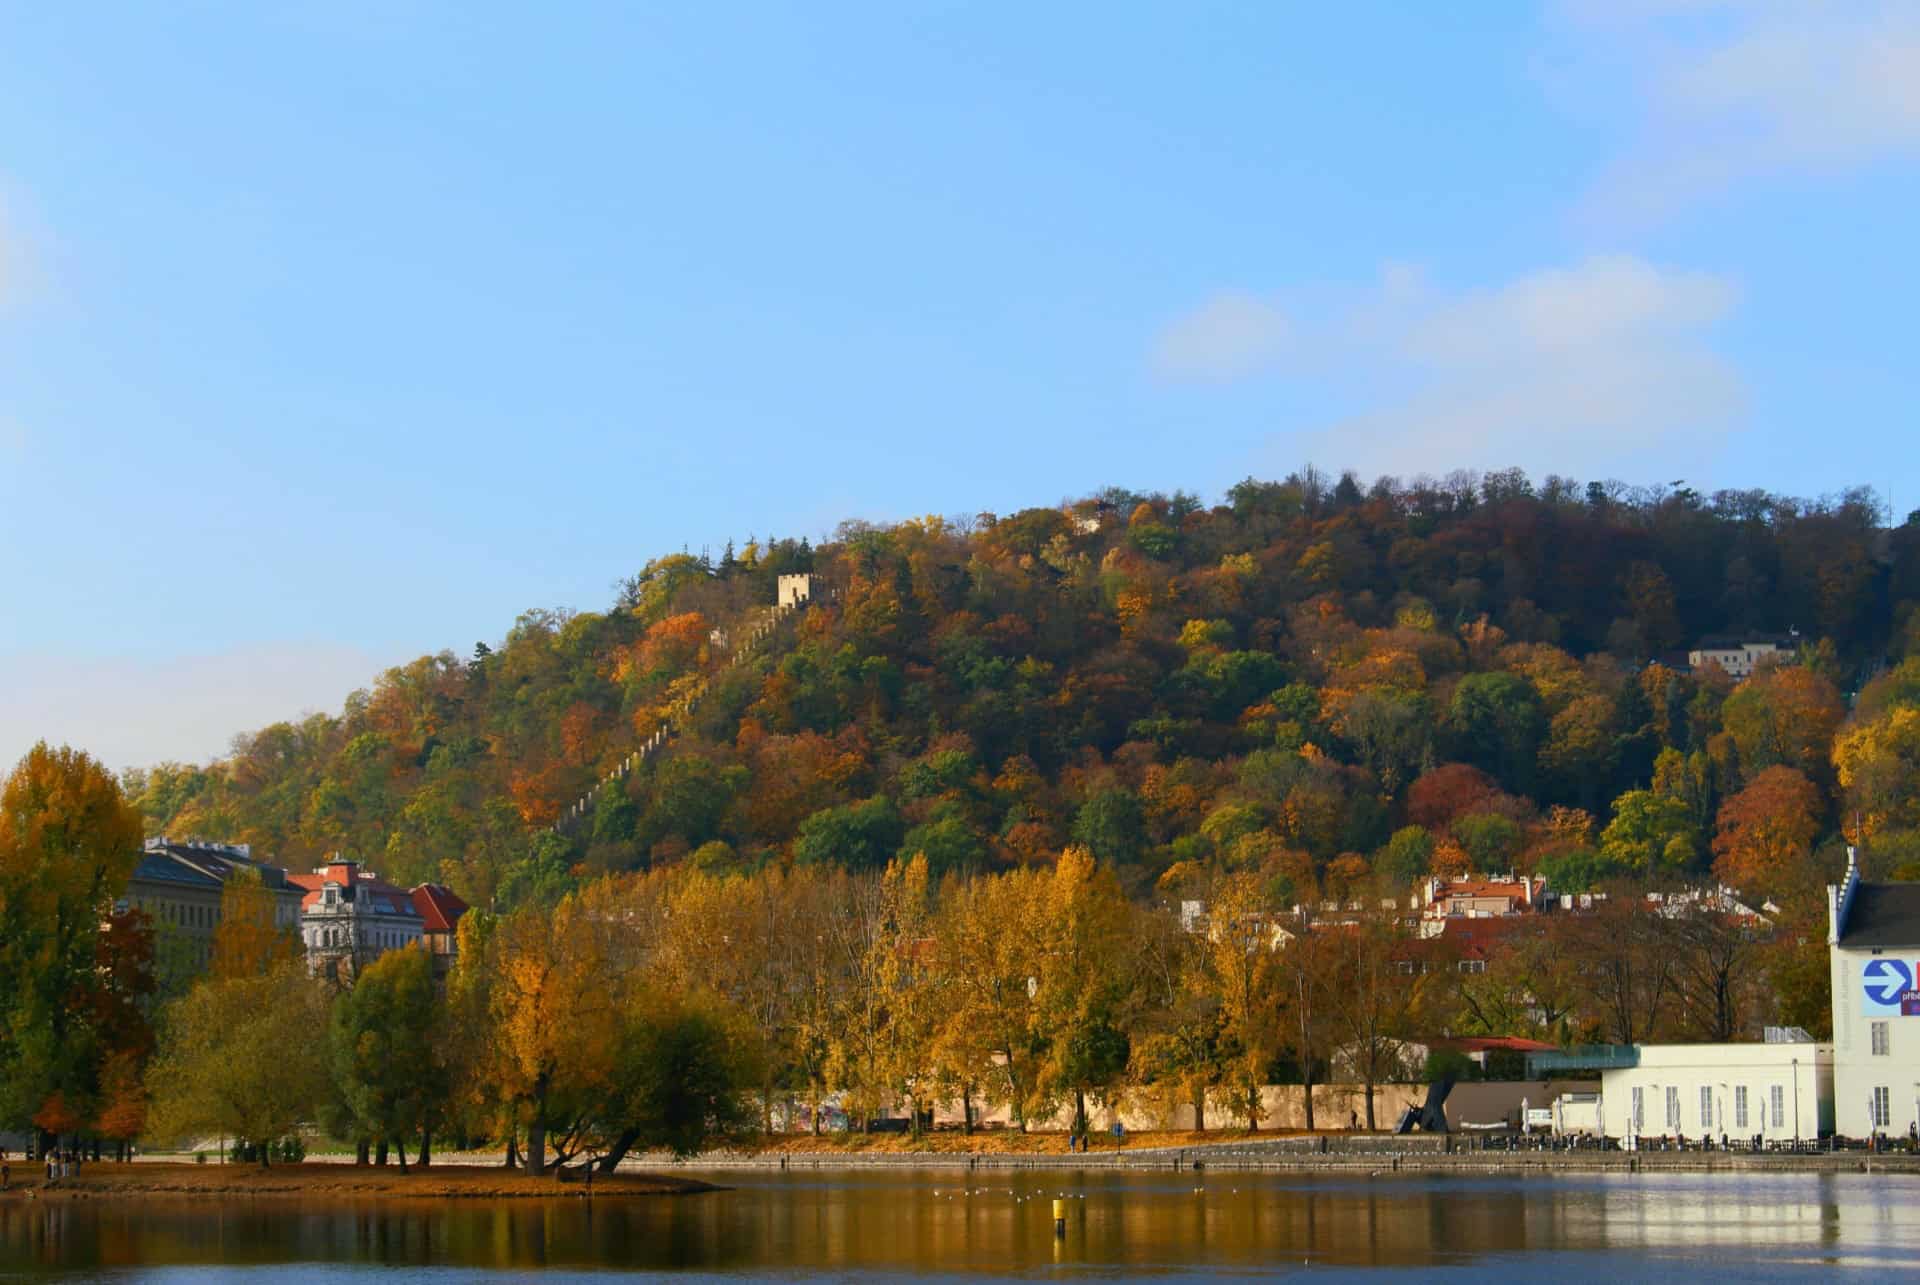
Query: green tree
point(1650, 834)
point(241, 1057)
point(859, 836)
point(1496, 721)
point(1406, 858)
point(1112, 826)
point(385, 1049)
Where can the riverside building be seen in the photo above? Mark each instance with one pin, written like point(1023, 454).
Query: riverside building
point(1873, 938)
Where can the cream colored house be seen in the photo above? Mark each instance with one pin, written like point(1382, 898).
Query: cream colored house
point(1774, 1092)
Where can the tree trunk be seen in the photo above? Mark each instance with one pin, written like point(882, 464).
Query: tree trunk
point(264, 1150)
point(1369, 1103)
point(362, 1152)
point(512, 1160)
point(1306, 1097)
point(1080, 1113)
point(400, 1149)
point(618, 1151)
point(537, 1130)
point(1253, 1106)
point(380, 1152)
point(426, 1145)
point(966, 1109)
point(1200, 1109)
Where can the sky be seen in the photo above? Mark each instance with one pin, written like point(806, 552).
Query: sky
point(334, 334)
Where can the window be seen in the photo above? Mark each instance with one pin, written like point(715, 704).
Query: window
point(1882, 1038)
point(1473, 965)
point(1639, 1108)
point(1404, 967)
point(1882, 1108)
point(1739, 1106)
point(1673, 1108)
point(1779, 1098)
point(1706, 1108)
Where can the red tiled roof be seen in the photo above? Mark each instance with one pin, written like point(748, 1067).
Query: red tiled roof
point(1494, 1044)
point(439, 908)
point(381, 896)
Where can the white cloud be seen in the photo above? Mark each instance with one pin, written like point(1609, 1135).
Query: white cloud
point(1568, 369)
point(1739, 89)
point(130, 712)
point(1232, 334)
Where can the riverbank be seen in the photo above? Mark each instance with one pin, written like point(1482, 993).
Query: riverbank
point(1370, 1154)
point(105, 1179)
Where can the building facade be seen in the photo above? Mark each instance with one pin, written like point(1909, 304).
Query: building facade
point(178, 884)
point(1873, 937)
point(1775, 1092)
point(1740, 656)
point(349, 917)
point(795, 590)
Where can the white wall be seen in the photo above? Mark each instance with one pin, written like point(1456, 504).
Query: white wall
point(1802, 1073)
point(1867, 990)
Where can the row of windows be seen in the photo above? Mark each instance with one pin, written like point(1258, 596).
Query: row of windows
point(373, 939)
point(1775, 1106)
point(1407, 967)
point(187, 915)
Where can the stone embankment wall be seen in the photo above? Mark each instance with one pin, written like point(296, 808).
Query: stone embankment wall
point(1282, 1107)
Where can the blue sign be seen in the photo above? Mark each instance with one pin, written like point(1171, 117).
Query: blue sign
point(1887, 981)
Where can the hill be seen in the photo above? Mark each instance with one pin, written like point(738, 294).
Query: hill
point(1313, 680)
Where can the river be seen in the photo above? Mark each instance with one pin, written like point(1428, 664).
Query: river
point(879, 1224)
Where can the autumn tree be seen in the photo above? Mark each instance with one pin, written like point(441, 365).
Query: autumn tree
point(1242, 953)
point(1628, 967)
point(1380, 991)
point(1084, 993)
point(68, 843)
point(1765, 833)
point(1783, 716)
point(248, 939)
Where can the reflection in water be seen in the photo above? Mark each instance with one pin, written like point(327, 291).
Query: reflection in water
point(946, 1221)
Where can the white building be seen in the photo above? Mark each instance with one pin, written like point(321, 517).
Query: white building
point(349, 917)
point(795, 590)
point(1873, 937)
point(1777, 1092)
point(1741, 655)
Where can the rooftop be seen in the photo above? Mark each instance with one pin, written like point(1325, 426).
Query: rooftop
point(1882, 915)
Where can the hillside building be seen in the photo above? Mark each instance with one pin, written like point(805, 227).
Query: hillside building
point(797, 590)
point(1741, 654)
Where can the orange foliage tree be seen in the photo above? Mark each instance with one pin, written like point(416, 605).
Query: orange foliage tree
point(1765, 833)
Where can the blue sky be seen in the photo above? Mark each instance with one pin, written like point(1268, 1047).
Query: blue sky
point(332, 334)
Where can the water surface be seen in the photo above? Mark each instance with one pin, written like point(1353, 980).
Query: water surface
point(885, 1223)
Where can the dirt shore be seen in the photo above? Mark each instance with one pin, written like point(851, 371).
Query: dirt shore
point(330, 1181)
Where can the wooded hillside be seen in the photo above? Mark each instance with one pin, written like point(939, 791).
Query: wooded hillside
point(1317, 683)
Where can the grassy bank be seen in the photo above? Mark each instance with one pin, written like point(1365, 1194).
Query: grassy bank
point(438, 1182)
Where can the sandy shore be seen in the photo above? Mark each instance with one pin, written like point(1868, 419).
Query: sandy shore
point(106, 1179)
